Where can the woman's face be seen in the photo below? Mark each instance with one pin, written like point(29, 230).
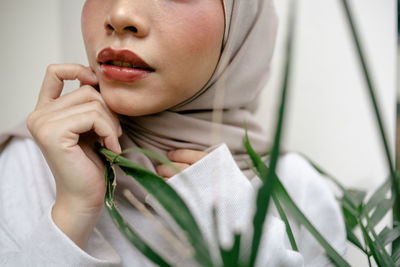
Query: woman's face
point(151, 55)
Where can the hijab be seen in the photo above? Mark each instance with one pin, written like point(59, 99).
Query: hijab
point(231, 94)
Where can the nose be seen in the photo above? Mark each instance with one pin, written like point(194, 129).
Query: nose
point(127, 17)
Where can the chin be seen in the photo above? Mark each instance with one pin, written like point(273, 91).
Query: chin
point(125, 105)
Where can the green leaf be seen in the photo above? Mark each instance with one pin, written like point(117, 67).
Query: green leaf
point(351, 237)
point(264, 192)
point(169, 200)
point(371, 90)
point(350, 215)
point(153, 155)
point(230, 257)
point(381, 210)
point(372, 247)
point(284, 218)
point(289, 204)
point(262, 201)
point(396, 256)
point(386, 236)
point(355, 197)
point(124, 226)
point(378, 196)
point(377, 248)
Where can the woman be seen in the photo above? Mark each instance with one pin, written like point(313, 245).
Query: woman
point(156, 68)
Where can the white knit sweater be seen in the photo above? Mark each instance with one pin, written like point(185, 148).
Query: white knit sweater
point(29, 237)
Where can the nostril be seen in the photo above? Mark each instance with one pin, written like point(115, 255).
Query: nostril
point(109, 27)
point(131, 28)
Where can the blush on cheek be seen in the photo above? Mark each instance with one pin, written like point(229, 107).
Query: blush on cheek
point(92, 16)
point(85, 15)
point(203, 31)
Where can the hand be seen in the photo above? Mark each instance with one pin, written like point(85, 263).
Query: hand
point(181, 159)
point(66, 129)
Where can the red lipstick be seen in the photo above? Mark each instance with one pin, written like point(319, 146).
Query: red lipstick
point(122, 65)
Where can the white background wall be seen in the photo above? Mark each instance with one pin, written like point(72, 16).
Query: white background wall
point(330, 118)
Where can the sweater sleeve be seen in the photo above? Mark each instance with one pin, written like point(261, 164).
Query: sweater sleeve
point(216, 181)
point(28, 235)
point(313, 196)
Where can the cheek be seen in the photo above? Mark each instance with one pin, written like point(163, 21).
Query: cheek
point(201, 32)
point(92, 21)
point(86, 17)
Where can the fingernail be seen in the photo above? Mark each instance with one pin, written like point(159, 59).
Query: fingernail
point(119, 149)
point(119, 130)
point(170, 154)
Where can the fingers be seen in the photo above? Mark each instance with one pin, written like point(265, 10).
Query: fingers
point(181, 159)
point(187, 156)
point(66, 122)
point(65, 127)
point(54, 80)
point(86, 95)
point(169, 171)
point(84, 108)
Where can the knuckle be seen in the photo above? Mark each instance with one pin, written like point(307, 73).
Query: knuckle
point(82, 67)
point(43, 134)
point(32, 120)
point(96, 114)
point(96, 105)
point(87, 89)
point(52, 68)
point(90, 93)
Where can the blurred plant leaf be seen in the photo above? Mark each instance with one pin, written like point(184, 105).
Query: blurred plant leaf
point(264, 192)
point(371, 90)
point(388, 235)
point(356, 197)
point(354, 239)
point(396, 256)
point(284, 218)
point(230, 257)
point(296, 213)
point(170, 201)
point(378, 196)
point(378, 250)
point(381, 210)
point(292, 208)
point(350, 214)
point(123, 225)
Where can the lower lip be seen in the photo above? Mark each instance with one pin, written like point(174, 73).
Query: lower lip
point(122, 74)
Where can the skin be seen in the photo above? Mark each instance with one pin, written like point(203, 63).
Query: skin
point(180, 39)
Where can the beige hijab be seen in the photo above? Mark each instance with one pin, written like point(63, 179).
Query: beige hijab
point(241, 73)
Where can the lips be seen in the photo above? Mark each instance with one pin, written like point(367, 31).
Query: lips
point(122, 65)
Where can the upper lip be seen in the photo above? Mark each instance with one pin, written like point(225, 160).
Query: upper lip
point(107, 55)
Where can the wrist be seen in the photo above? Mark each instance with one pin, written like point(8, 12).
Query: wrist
point(75, 222)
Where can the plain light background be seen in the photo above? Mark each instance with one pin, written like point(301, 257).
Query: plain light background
point(330, 117)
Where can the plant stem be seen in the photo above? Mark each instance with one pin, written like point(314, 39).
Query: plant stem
point(371, 90)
